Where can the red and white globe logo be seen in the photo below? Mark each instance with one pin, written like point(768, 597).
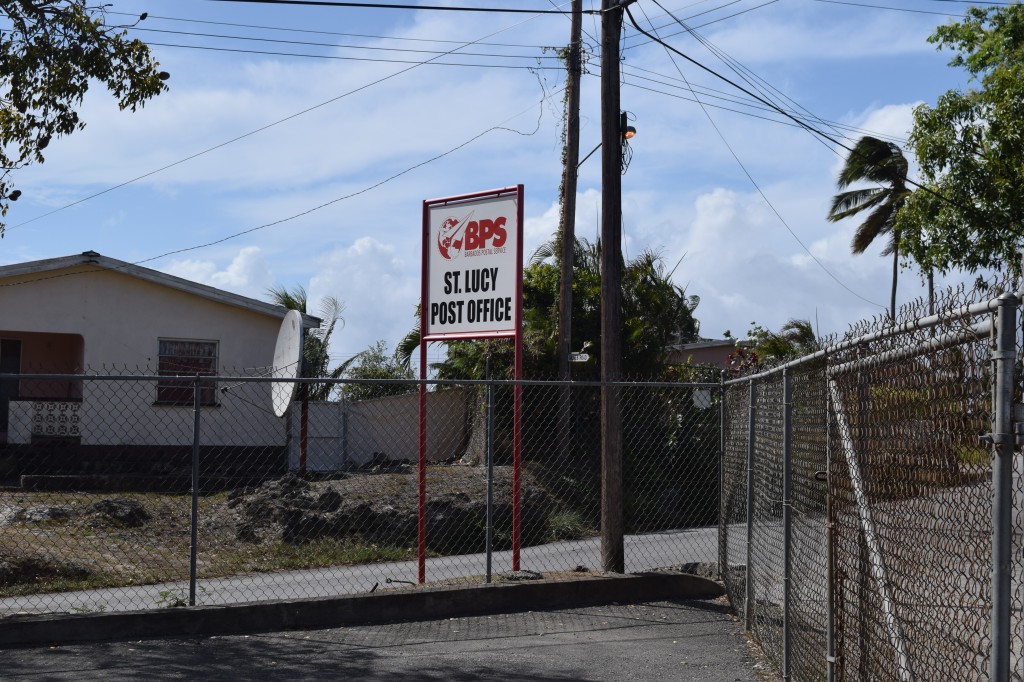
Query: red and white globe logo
point(449, 239)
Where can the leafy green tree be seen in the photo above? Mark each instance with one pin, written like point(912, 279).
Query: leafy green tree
point(881, 163)
point(970, 147)
point(375, 363)
point(316, 358)
point(50, 54)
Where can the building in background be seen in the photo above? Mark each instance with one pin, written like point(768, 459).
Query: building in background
point(89, 313)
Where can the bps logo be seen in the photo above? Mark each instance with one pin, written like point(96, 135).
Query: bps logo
point(471, 236)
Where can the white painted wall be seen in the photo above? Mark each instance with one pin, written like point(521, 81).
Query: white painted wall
point(344, 435)
point(121, 319)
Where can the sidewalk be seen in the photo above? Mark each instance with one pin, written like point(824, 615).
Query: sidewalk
point(650, 641)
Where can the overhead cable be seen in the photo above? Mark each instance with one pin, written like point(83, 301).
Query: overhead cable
point(372, 5)
point(310, 210)
point(764, 196)
point(372, 48)
point(284, 29)
point(816, 131)
point(894, 9)
point(265, 127)
point(377, 60)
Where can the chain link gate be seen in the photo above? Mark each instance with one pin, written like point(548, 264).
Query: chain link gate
point(878, 482)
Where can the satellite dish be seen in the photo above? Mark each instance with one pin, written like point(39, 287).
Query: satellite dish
point(287, 362)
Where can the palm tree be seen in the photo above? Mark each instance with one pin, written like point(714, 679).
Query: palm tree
point(884, 164)
point(316, 357)
point(800, 333)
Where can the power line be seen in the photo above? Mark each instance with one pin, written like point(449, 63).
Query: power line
point(720, 106)
point(742, 71)
point(262, 128)
point(746, 102)
point(239, 50)
point(307, 211)
point(815, 131)
point(894, 9)
point(326, 33)
point(736, 85)
point(372, 48)
point(707, 23)
point(370, 5)
point(750, 177)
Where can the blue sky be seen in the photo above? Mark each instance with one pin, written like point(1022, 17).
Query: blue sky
point(684, 195)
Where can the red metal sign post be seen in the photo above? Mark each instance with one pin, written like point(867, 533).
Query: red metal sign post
point(472, 288)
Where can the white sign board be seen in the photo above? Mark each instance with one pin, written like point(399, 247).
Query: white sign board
point(472, 266)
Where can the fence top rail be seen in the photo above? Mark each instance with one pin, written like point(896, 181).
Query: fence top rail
point(950, 315)
point(264, 379)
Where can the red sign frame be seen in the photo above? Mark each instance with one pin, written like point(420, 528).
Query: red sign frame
point(460, 203)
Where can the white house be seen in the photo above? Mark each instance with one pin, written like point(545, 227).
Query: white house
point(93, 314)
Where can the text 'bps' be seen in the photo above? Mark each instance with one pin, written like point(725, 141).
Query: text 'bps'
point(471, 237)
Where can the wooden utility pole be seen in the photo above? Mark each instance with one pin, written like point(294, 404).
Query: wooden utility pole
point(574, 69)
point(573, 65)
point(612, 514)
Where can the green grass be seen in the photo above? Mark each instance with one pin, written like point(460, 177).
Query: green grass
point(62, 582)
point(567, 524)
point(323, 553)
point(974, 455)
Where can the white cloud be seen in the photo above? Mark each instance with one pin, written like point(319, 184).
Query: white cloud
point(683, 194)
point(379, 287)
point(247, 274)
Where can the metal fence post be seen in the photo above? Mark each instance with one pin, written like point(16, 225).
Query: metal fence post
point(787, 520)
point(344, 433)
point(194, 530)
point(748, 609)
point(830, 549)
point(723, 524)
point(1003, 357)
point(489, 540)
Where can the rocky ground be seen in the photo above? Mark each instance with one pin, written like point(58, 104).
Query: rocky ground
point(383, 508)
point(47, 538)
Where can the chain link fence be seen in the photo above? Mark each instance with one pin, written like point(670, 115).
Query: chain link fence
point(125, 491)
point(872, 499)
point(862, 505)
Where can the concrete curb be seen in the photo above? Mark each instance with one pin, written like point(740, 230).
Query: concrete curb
point(366, 609)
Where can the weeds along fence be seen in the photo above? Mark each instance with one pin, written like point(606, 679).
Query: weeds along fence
point(872, 499)
point(134, 491)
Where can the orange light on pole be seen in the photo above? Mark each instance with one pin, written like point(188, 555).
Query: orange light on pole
point(628, 131)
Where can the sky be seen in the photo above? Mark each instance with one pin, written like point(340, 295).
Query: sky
point(260, 167)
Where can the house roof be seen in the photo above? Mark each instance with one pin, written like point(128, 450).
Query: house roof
point(705, 343)
point(101, 262)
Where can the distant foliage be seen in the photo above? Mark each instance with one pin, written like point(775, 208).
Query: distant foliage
point(375, 363)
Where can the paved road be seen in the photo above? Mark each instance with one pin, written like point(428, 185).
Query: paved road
point(643, 552)
point(653, 642)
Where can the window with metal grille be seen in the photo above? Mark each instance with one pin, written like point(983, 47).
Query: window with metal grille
point(186, 358)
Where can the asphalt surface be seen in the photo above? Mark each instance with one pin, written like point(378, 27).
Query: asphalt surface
point(643, 552)
point(654, 641)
